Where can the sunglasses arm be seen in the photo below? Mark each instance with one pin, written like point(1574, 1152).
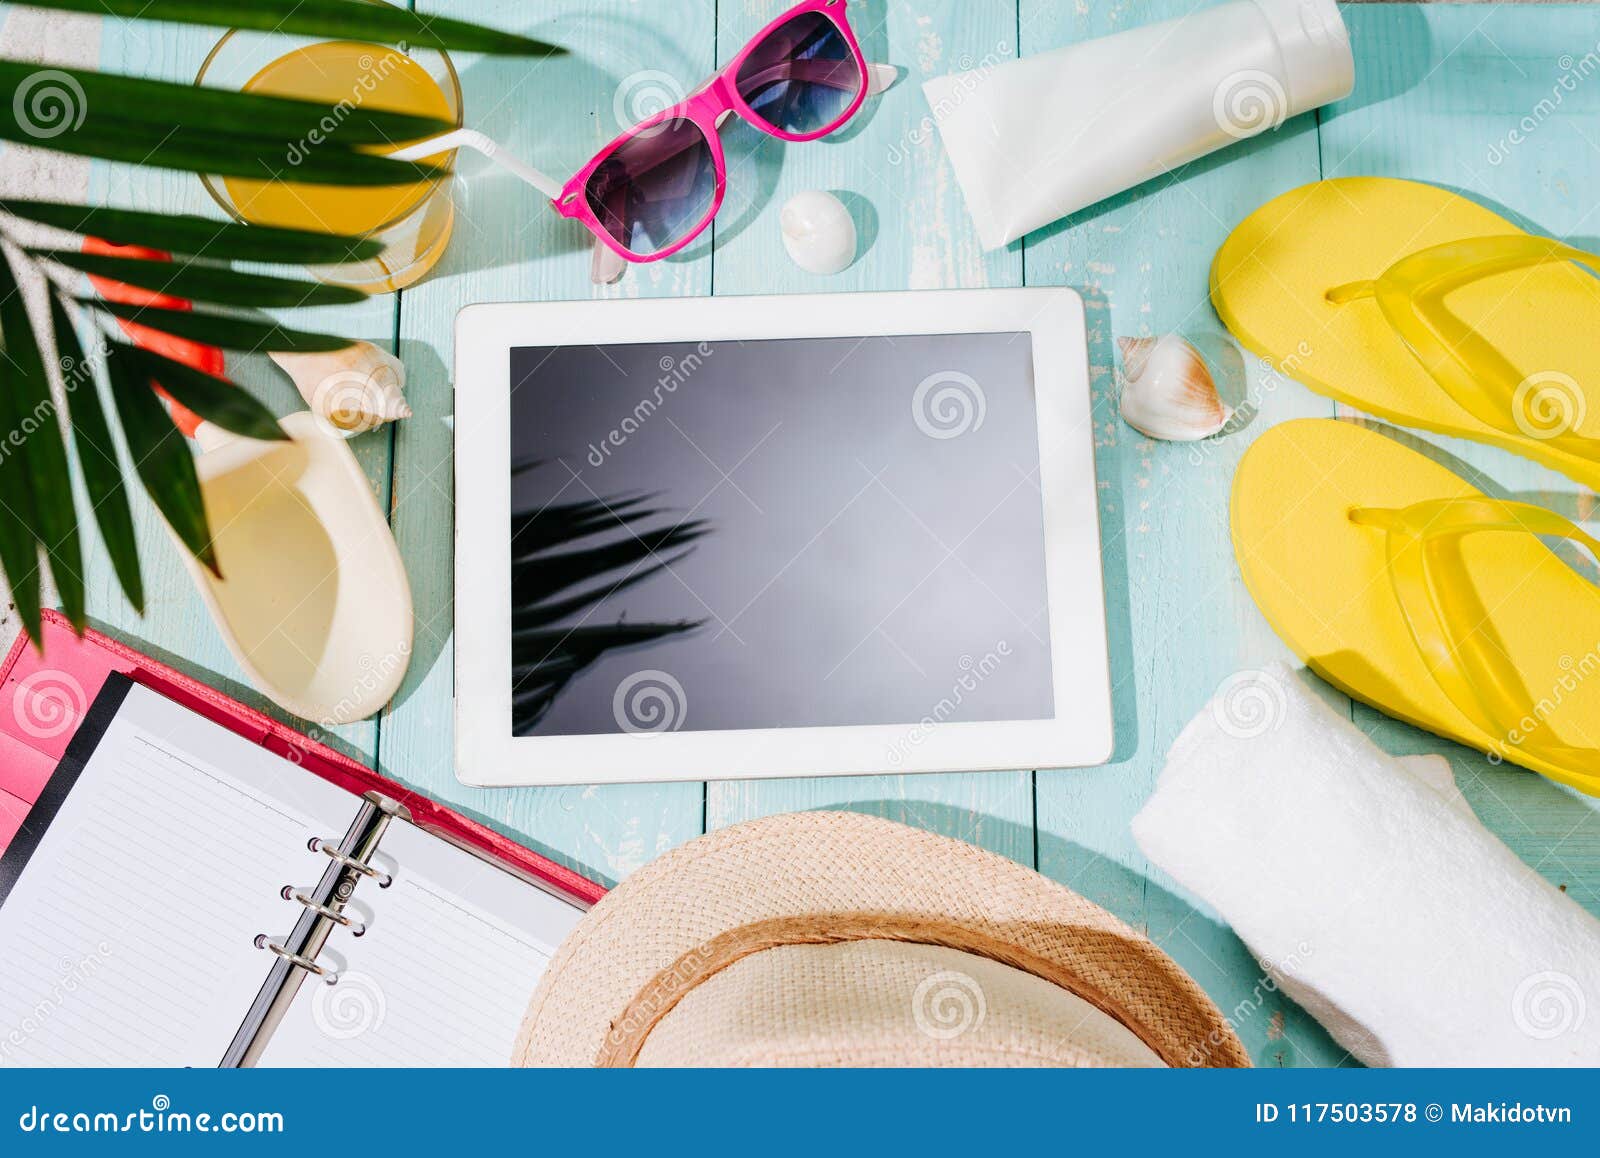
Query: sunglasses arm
point(606, 266)
point(881, 78)
point(478, 143)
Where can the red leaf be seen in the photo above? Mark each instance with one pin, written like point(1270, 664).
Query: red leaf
point(208, 359)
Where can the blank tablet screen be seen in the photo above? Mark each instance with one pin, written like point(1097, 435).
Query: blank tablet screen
point(777, 534)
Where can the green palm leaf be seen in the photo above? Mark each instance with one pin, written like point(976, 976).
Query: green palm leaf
point(160, 455)
point(36, 439)
point(205, 283)
point(54, 103)
point(97, 456)
point(206, 130)
point(352, 19)
point(19, 545)
point(198, 236)
point(216, 400)
point(230, 333)
point(19, 553)
point(216, 152)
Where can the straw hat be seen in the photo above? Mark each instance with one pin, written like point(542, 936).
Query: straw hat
point(829, 938)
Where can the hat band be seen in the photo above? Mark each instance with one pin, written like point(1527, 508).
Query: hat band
point(661, 994)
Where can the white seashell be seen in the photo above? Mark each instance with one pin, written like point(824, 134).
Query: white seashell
point(1167, 390)
point(818, 232)
point(354, 390)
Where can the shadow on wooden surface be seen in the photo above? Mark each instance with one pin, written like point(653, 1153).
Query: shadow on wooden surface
point(1114, 571)
point(1275, 1030)
point(1380, 75)
point(1117, 205)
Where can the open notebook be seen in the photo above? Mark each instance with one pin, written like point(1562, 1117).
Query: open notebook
point(180, 896)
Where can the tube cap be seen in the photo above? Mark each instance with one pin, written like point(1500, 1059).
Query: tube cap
point(1315, 45)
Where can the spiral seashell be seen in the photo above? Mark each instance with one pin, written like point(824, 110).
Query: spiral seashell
point(353, 390)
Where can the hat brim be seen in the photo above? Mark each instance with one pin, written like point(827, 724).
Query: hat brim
point(829, 877)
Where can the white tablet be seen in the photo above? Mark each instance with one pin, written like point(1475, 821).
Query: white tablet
point(776, 536)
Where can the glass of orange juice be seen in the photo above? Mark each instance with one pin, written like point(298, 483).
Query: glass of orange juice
point(413, 221)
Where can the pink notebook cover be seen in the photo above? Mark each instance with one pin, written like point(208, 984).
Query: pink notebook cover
point(45, 692)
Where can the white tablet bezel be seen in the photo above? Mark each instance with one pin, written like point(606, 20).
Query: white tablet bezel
point(488, 755)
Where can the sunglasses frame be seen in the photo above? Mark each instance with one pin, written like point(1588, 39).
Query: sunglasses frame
point(706, 108)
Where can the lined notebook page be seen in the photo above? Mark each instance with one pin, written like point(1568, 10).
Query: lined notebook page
point(443, 974)
point(129, 936)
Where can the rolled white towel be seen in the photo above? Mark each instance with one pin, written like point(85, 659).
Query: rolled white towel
point(1369, 890)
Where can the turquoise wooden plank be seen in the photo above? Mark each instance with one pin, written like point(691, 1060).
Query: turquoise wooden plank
point(176, 626)
point(915, 233)
point(1490, 101)
point(1180, 621)
point(510, 246)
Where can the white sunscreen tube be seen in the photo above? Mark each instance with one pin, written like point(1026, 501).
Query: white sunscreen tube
point(1034, 140)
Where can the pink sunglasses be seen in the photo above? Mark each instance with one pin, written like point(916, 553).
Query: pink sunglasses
point(654, 189)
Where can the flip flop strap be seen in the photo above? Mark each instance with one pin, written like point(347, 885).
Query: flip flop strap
point(1411, 293)
point(1450, 625)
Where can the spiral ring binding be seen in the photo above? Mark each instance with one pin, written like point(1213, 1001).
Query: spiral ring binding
point(330, 976)
point(384, 879)
point(334, 915)
point(323, 904)
point(310, 964)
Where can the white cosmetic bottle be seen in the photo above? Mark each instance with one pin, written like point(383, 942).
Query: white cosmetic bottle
point(1034, 140)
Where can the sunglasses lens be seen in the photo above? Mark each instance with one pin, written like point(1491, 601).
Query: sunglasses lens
point(802, 77)
point(652, 190)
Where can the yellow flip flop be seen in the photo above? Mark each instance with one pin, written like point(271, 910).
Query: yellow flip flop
point(1416, 305)
point(1407, 589)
